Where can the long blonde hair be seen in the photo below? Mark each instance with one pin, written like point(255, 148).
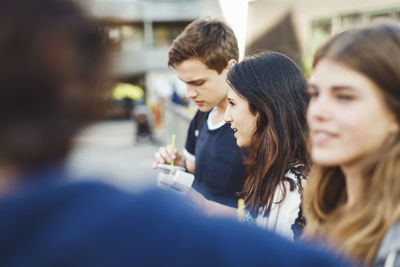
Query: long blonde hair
point(358, 231)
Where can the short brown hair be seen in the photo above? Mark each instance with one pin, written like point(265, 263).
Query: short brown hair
point(210, 40)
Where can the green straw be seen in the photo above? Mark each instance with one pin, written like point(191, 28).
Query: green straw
point(172, 148)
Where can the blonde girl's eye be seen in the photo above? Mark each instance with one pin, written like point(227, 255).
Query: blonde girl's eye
point(345, 97)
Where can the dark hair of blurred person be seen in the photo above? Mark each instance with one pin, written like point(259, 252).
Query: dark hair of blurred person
point(352, 197)
point(52, 59)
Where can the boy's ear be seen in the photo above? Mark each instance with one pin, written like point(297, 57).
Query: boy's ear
point(231, 62)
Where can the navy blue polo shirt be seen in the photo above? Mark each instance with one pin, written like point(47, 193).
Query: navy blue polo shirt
point(219, 172)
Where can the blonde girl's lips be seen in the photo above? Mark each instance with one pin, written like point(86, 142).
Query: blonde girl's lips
point(199, 103)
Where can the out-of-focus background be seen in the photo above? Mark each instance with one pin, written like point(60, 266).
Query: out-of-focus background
point(147, 105)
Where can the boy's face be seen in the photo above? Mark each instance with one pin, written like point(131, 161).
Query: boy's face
point(205, 86)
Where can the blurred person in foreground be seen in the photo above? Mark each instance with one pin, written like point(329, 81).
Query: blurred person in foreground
point(52, 58)
point(352, 198)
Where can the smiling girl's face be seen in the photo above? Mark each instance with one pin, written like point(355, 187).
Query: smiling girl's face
point(347, 115)
point(242, 121)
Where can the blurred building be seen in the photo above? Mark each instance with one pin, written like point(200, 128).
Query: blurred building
point(140, 33)
point(298, 27)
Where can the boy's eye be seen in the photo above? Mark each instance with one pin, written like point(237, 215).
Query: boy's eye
point(198, 83)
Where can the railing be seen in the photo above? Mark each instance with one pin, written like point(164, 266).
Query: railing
point(176, 120)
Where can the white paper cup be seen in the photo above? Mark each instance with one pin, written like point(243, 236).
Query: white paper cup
point(184, 178)
point(167, 172)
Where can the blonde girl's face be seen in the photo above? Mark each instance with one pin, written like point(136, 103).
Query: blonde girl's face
point(347, 115)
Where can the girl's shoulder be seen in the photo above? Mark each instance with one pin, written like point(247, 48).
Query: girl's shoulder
point(389, 251)
point(296, 175)
point(297, 171)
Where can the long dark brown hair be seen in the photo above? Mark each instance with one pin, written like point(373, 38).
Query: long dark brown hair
point(276, 90)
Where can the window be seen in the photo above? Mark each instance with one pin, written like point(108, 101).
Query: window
point(124, 36)
point(166, 32)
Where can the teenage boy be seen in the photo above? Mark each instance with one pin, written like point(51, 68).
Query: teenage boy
point(202, 55)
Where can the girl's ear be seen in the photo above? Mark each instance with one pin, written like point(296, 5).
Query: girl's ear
point(395, 127)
